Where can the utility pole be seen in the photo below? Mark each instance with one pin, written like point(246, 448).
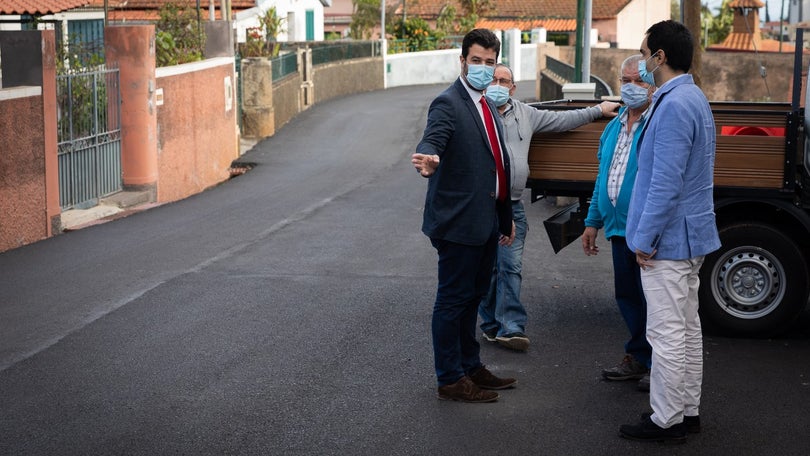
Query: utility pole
point(690, 12)
point(586, 42)
point(781, 24)
point(383, 44)
point(579, 39)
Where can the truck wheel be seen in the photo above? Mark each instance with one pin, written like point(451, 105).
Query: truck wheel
point(756, 284)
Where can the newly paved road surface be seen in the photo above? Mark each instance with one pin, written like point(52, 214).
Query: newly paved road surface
point(287, 312)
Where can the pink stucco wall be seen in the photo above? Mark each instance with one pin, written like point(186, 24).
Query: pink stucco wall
point(29, 168)
point(130, 48)
point(197, 129)
point(23, 219)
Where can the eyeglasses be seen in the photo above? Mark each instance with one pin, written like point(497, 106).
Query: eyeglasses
point(502, 82)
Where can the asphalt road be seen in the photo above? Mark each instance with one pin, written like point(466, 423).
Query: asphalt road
point(287, 312)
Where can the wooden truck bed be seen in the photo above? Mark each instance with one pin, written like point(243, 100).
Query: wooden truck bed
point(560, 163)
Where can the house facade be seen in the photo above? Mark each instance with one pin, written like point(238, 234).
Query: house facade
point(746, 35)
point(618, 23)
point(303, 20)
point(83, 20)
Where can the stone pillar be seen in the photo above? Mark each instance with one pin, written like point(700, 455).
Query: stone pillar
point(258, 119)
point(515, 61)
point(307, 93)
point(131, 48)
point(544, 49)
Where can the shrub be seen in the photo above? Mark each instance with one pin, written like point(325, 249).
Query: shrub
point(179, 36)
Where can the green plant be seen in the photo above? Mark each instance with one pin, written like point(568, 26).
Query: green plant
point(81, 90)
point(720, 25)
point(366, 15)
point(261, 41)
point(473, 10)
point(271, 24)
point(164, 49)
point(179, 36)
point(417, 34)
point(446, 21)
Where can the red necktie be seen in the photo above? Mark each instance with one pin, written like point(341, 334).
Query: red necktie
point(496, 150)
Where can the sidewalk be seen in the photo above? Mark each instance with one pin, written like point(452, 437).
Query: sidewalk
point(120, 204)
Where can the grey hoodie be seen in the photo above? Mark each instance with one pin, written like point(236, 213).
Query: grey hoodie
point(521, 121)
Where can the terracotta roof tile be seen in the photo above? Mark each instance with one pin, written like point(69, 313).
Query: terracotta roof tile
point(150, 15)
point(157, 4)
point(743, 42)
point(147, 10)
point(39, 6)
point(138, 9)
point(524, 9)
point(746, 4)
point(551, 25)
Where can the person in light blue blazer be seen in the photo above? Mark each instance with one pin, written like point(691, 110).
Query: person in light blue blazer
point(671, 227)
point(608, 210)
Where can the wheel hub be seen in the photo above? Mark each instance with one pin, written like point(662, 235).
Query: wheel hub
point(749, 281)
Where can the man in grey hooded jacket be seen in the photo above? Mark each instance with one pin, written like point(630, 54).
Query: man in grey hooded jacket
point(503, 315)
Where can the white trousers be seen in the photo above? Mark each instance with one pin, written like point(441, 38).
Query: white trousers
point(673, 330)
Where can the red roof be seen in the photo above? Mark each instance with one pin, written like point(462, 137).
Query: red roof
point(746, 4)
point(39, 6)
point(523, 9)
point(551, 25)
point(745, 42)
point(148, 10)
point(157, 4)
point(117, 9)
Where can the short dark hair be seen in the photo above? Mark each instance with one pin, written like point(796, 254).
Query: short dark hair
point(675, 40)
point(482, 37)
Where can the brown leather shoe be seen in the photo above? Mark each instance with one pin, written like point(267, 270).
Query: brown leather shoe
point(484, 379)
point(465, 390)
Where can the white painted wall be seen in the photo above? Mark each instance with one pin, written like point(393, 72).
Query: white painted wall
point(636, 18)
point(8, 25)
point(443, 66)
point(528, 63)
point(426, 67)
point(293, 12)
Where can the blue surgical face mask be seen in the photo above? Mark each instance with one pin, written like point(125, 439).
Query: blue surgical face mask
point(498, 94)
point(646, 76)
point(634, 96)
point(480, 76)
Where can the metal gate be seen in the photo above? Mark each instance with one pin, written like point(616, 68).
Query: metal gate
point(89, 136)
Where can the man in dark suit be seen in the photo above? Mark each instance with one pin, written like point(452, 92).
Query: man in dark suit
point(467, 214)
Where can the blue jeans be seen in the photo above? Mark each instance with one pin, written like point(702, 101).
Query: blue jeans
point(630, 299)
point(464, 272)
point(501, 309)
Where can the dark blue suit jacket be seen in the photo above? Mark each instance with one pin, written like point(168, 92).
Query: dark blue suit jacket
point(460, 205)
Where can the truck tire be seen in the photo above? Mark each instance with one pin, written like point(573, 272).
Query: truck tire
point(756, 284)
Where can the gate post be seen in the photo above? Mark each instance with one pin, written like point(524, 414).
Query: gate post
point(258, 116)
point(131, 48)
point(29, 59)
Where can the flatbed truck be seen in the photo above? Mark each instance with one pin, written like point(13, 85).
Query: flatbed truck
point(758, 282)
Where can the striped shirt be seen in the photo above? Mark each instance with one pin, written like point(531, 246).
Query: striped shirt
point(618, 166)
